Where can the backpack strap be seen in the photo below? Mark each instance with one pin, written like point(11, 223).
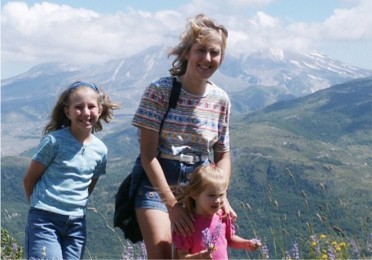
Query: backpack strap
point(173, 98)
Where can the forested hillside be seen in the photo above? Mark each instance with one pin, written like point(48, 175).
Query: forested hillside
point(302, 170)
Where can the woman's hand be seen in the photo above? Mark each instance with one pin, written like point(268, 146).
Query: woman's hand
point(228, 210)
point(182, 220)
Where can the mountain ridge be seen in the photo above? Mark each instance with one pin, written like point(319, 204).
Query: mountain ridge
point(252, 82)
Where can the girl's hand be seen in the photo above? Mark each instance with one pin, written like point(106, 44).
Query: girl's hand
point(182, 220)
point(253, 244)
point(204, 255)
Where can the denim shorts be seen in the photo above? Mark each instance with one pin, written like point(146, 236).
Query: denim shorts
point(54, 236)
point(176, 173)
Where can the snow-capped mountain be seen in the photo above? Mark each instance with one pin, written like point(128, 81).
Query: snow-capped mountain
point(253, 82)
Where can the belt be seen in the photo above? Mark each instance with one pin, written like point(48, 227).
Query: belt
point(186, 158)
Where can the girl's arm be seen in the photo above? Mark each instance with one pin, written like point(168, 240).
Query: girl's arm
point(32, 175)
point(186, 255)
point(240, 243)
point(179, 216)
point(92, 185)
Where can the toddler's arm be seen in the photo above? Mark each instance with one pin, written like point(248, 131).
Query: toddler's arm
point(247, 244)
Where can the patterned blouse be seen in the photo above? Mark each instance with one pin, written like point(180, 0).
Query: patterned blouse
point(199, 124)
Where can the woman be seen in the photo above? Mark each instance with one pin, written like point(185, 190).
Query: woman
point(193, 132)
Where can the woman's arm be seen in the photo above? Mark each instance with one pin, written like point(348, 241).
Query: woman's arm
point(32, 175)
point(223, 161)
point(180, 217)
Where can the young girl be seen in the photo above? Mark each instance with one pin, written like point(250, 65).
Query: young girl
point(63, 173)
point(204, 197)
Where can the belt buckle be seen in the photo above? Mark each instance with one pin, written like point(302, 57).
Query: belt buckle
point(188, 158)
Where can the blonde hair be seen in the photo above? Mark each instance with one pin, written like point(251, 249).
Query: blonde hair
point(200, 29)
point(59, 119)
point(199, 180)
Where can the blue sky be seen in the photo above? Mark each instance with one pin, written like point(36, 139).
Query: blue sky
point(94, 31)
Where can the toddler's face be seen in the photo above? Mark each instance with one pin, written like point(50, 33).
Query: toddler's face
point(210, 201)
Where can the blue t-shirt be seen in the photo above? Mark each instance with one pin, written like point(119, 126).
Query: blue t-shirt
point(70, 167)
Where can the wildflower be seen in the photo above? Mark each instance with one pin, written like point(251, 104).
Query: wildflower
point(322, 236)
point(265, 252)
point(295, 251)
point(324, 256)
point(143, 249)
point(129, 252)
point(355, 248)
point(210, 239)
point(14, 247)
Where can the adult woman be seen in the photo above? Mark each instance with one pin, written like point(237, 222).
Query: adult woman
point(192, 132)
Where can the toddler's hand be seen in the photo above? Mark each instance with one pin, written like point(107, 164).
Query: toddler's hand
point(254, 244)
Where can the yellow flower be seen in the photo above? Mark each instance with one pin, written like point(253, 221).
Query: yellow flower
point(338, 249)
point(334, 243)
point(322, 236)
point(324, 256)
point(314, 244)
point(342, 244)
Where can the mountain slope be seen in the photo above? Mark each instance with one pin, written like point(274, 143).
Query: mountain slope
point(300, 167)
point(329, 114)
point(304, 167)
point(252, 82)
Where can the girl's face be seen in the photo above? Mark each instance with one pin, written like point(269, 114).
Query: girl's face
point(210, 200)
point(83, 110)
point(203, 60)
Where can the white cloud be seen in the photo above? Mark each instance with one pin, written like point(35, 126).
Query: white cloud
point(58, 32)
point(52, 32)
point(350, 24)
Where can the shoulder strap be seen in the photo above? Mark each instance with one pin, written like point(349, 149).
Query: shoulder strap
point(173, 98)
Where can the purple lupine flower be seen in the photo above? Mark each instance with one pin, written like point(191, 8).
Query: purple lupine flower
point(14, 247)
point(295, 251)
point(265, 252)
point(143, 250)
point(210, 239)
point(355, 248)
point(369, 243)
point(128, 254)
point(331, 253)
point(317, 247)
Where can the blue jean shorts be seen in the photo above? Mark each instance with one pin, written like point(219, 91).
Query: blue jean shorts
point(176, 173)
point(54, 236)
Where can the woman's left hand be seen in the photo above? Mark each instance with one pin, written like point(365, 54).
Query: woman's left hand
point(182, 220)
point(228, 210)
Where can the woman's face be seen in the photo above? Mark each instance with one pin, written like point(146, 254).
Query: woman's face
point(203, 60)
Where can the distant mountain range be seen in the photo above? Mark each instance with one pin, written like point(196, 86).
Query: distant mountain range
point(253, 82)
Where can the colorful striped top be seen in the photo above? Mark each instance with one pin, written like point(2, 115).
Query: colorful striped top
point(199, 124)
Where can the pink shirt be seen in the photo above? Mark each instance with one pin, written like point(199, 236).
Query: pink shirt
point(194, 243)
